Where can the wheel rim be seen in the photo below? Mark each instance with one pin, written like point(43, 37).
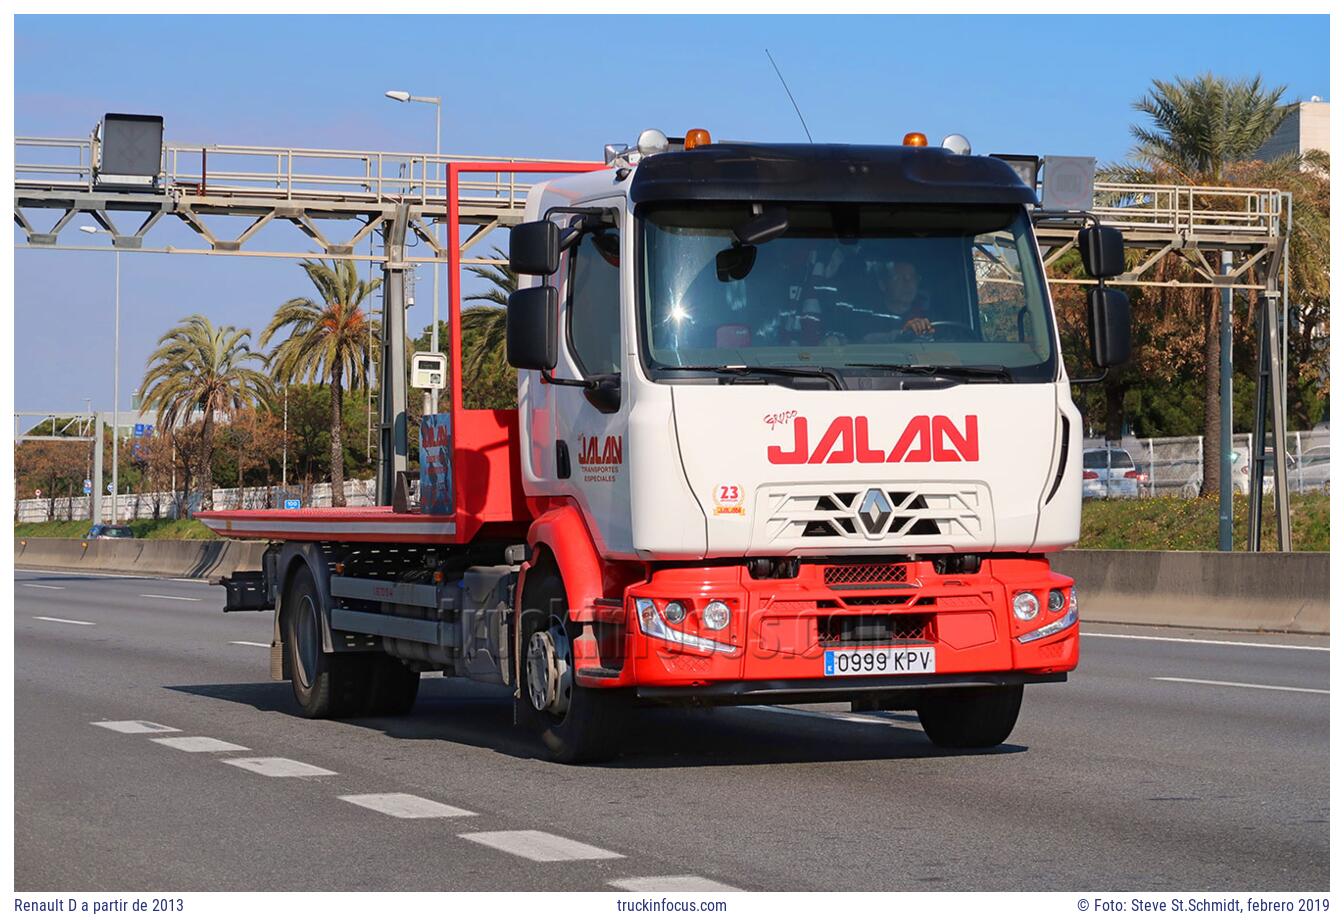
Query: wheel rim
point(305, 635)
point(549, 683)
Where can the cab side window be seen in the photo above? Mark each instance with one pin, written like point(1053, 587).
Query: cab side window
point(594, 305)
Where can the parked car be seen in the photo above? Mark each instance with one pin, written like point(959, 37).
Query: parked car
point(108, 532)
point(1111, 473)
point(1241, 475)
point(1313, 473)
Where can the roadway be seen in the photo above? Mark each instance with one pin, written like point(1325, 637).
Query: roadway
point(1161, 765)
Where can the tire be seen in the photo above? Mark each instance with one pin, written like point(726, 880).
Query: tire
point(978, 718)
point(393, 687)
point(325, 686)
point(582, 725)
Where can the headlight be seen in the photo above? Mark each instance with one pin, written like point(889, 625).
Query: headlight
point(1026, 606)
point(674, 612)
point(715, 615)
point(1055, 602)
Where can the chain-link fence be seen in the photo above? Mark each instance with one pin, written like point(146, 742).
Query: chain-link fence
point(1175, 466)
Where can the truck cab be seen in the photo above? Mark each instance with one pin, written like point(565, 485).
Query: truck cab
point(793, 425)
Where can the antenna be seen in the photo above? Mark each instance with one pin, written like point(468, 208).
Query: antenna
point(791, 99)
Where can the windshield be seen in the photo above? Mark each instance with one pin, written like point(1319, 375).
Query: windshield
point(846, 287)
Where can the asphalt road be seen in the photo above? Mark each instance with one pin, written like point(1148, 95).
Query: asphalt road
point(1133, 775)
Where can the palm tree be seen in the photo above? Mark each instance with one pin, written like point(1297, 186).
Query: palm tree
point(484, 328)
point(197, 367)
point(328, 342)
point(1199, 128)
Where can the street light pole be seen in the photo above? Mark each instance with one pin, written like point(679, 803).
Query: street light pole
point(116, 367)
point(432, 403)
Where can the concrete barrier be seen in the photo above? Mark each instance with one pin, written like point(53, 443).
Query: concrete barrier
point(173, 558)
point(1270, 592)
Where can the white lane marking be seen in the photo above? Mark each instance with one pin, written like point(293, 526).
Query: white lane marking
point(135, 727)
point(813, 714)
point(199, 745)
point(670, 883)
point(539, 846)
point(1294, 648)
point(62, 620)
point(1228, 683)
point(171, 597)
point(279, 766)
point(404, 805)
point(33, 584)
point(245, 642)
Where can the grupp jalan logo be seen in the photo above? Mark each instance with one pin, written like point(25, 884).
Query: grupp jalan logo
point(925, 439)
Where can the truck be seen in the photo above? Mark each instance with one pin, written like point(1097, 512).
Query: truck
point(792, 426)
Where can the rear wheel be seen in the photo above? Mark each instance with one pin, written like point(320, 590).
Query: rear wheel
point(577, 724)
point(974, 718)
point(326, 686)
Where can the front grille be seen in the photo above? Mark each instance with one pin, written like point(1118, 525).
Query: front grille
point(873, 630)
point(881, 574)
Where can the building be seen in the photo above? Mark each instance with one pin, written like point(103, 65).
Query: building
point(1306, 127)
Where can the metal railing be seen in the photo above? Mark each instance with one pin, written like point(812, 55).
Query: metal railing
point(276, 173)
point(1189, 210)
point(390, 177)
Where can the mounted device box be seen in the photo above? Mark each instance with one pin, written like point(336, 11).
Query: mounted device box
point(429, 370)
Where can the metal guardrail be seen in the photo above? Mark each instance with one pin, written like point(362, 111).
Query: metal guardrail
point(275, 173)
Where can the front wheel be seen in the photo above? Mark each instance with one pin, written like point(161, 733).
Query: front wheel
point(577, 724)
point(974, 718)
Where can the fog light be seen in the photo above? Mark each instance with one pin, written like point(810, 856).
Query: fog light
point(1055, 602)
point(674, 612)
point(1026, 606)
point(715, 615)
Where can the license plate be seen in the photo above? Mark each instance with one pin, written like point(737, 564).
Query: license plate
point(857, 662)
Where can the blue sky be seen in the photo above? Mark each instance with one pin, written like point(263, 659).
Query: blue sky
point(562, 87)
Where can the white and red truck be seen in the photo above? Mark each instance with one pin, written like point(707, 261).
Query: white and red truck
point(793, 425)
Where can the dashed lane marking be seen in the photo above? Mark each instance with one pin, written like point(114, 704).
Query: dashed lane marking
point(279, 766)
point(172, 597)
point(63, 620)
point(1228, 683)
point(539, 846)
point(31, 584)
point(135, 727)
point(196, 744)
point(670, 883)
point(245, 642)
point(1291, 648)
point(404, 805)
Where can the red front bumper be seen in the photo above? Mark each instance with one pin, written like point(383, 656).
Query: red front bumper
point(780, 629)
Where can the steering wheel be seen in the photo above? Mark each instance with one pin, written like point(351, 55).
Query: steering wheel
point(969, 333)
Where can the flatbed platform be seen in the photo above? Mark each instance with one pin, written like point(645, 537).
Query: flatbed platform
point(377, 524)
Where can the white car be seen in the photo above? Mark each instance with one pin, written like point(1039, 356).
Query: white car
point(1110, 473)
point(1313, 473)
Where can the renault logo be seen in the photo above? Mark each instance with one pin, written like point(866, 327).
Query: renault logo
point(875, 511)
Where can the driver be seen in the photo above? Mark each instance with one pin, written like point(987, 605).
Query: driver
point(903, 299)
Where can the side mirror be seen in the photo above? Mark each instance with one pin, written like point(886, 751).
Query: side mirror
point(1108, 326)
point(534, 248)
point(1103, 251)
point(532, 324)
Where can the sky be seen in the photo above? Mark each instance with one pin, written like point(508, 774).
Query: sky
point(538, 86)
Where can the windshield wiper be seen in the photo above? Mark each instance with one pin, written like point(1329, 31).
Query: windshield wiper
point(753, 370)
point(966, 371)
